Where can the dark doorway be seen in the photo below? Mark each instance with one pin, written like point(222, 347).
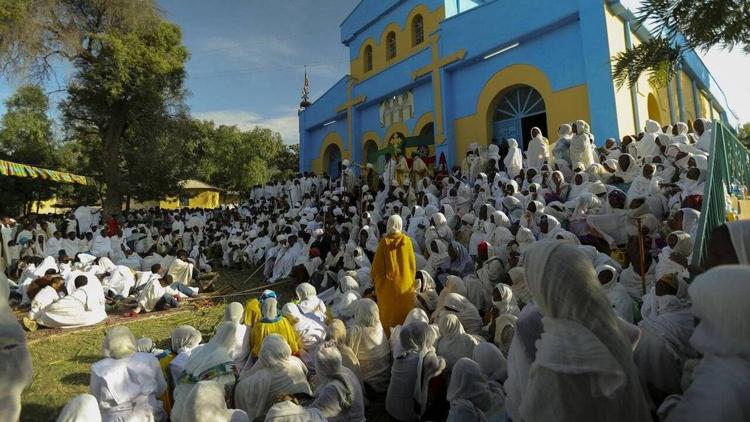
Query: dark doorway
point(527, 123)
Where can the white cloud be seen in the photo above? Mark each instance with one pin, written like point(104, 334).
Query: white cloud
point(287, 125)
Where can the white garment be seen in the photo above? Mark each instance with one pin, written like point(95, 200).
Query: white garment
point(128, 388)
point(82, 408)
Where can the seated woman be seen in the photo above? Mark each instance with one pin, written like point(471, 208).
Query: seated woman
point(339, 394)
point(126, 383)
point(185, 340)
point(207, 403)
point(273, 323)
point(212, 362)
point(468, 393)
point(82, 408)
point(43, 298)
point(241, 349)
point(276, 373)
point(83, 307)
point(309, 302)
point(252, 307)
point(454, 343)
point(503, 317)
point(336, 333)
point(495, 368)
point(408, 392)
point(310, 332)
point(464, 310)
point(665, 336)
point(427, 296)
point(367, 340)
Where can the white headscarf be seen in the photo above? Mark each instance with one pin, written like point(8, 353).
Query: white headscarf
point(206, 402)
point(468, 388)
point(454, 342)
point(394, 224)
point(582, 339)
point(82, 408)
point(185, 338)
point(215, 352)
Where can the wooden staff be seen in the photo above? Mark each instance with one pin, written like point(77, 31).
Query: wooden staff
point(642, 255)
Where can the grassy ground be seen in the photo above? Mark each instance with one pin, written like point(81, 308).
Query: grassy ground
point(62, 360)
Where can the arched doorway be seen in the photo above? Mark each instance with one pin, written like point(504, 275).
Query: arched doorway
point(517, 109)
point(427, 130)
point(654, 112)
point(332, 160)
point(370, 150)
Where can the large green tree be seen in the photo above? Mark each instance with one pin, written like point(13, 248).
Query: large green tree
point(234, 159)
point(26, 137)
point(128, 83)
point(701, 24)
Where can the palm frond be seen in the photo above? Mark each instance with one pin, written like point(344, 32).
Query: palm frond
point(657, 57)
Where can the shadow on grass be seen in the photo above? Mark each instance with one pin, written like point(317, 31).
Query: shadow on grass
point(76, 378)
point(86, 359)
point(39, 412)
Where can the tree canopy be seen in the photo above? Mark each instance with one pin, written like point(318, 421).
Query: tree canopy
point(678, 26)
point(124, 114)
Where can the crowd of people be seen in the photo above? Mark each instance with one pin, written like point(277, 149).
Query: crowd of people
point(553, 284)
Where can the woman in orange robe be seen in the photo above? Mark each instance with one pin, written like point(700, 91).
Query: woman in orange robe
point(393, 271)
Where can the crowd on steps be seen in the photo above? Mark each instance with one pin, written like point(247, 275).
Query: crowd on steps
point(552, 284)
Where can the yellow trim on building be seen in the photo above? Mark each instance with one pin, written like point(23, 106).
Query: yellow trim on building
point(404, 47)
point(563, 106)
point(423, 121)
point(333, 138)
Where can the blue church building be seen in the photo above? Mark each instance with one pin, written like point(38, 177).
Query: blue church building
point(442, 74)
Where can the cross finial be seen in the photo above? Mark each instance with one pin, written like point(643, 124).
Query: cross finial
point(305, 93)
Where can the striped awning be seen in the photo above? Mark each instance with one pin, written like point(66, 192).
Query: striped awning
point(9, 168)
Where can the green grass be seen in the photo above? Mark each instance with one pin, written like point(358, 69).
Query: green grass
point(62, 362)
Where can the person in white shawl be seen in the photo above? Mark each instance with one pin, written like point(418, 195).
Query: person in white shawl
point(339, 396)
point(275, 373)
point(184, 339)
point(504, 315)
point(127, 383)
point(413, 368)
point(207, 403)
point(83, 307)
point(454, 342)
point(674, 258)
point(82, 408)
point(235, 312)
point(538, 150)
point(618, 297)
point(581, 146)
point(211, 362)
point(495, 368)
point(119, 279)
point(181, 269)
point(15, 360)
point(513, 159)
point(665, 332)
point(705, 135)
point(466, 312)
point(310, 332)
point(309, 303)
point(369, 343)
point(583, 356)
point(647, 146)
point(468, 393)
point(721, 379)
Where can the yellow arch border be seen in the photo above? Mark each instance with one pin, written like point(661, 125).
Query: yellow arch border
point(563, 106)
point(371, 135)
point(332, 138)
point(423, 121)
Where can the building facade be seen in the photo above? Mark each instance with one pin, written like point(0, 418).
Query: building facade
point(440, 75)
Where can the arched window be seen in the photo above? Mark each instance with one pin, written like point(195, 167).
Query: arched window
point(417, 30)
point(368, 58)
point(390, 45)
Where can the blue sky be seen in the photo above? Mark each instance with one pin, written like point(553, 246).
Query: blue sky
point(248, 57)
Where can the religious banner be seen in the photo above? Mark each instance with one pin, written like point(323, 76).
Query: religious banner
point(9, 168)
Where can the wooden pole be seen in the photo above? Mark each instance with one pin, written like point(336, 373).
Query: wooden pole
point(642, 253)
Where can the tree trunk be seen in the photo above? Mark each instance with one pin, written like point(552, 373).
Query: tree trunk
point(111, 138)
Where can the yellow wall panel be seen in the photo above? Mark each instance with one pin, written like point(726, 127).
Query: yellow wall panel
point(404, 42)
